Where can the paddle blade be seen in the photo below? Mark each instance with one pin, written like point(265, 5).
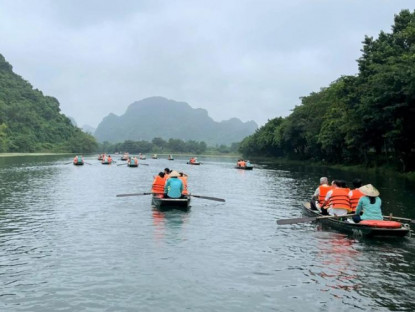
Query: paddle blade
point(295, 220)
point(208, 197)
point(133, 194)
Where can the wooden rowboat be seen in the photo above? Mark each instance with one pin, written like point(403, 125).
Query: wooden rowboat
point(78, 163)
point(245, 168)
point(193, 163)
point(171, 203)
point(384, 228)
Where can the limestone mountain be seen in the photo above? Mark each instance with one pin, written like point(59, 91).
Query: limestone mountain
point(159, 117)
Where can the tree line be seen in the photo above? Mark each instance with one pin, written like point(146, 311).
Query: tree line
point(159, 145)
point(32, 122)
point(367, 118)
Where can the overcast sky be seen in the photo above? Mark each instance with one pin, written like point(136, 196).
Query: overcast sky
point(247, 59)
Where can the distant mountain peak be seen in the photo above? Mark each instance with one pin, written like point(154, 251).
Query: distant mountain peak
point(160, 117)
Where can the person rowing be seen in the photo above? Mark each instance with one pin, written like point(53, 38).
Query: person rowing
point(369, 205)
point(174, 186)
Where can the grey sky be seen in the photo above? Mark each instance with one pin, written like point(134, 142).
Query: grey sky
point(246, 59)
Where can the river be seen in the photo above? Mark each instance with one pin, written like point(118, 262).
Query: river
point(67, 243)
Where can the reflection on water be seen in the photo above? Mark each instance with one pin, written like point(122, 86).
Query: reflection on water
point(67, 243)
point(168, 224)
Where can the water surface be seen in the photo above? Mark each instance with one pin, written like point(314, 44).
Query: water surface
point(67, 243)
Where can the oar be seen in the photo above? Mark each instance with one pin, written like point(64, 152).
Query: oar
point(399, 218)
point(309, 219)
point(121, 165)
point(208, 197)
point(134, 194)
point(141, 164)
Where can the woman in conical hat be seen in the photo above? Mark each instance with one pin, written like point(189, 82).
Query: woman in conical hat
point(369, 205)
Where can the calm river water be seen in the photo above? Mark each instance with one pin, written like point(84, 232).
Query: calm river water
point(67, 243)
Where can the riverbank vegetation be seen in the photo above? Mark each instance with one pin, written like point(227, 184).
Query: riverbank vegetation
point(159, 145)
point(32, 122)
point(366, 119)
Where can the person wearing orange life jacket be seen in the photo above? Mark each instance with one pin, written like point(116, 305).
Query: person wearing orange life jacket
point(166, 173)
point(320, 194)
point(183, 178)
point(75, 160)
point(355, 194)
point(338, 200)
point(109, 159)
point(158, 183)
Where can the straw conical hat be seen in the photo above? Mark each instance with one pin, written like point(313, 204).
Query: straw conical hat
point(369, 190)
point(174, 174)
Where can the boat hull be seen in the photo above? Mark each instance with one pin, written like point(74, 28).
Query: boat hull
point(171, 203)
point(195, 164)
point(78, 164)
point(357, 229)
point(245, 168)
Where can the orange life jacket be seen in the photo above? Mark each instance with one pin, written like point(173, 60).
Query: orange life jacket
point(354, 198)
point(184, 181)
point(158, 185)
point(340, 199)
point(323, 189)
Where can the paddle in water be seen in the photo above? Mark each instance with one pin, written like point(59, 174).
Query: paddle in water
point(134, 194)
point(208, 197)
point(309, 219)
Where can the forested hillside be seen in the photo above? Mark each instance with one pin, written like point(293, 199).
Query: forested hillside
point(364, 119)
point(32, 122)
point(167, 119)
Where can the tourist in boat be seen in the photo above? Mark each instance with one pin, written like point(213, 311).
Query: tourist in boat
point(241, 163)
point(355, 194)
point(77, 160)
point(174, 186)
point(248, 163)
point(369, 205)
point(337, 199)
point(158, 183)
point(183, 178)
point(109, 159)
point(320, 194)
point(167, 172)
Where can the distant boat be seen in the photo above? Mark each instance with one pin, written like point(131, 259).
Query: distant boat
point(170, 157)
point(125, 156)
point(154, 156)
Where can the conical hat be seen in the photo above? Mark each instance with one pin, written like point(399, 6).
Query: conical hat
point(369, 190)
point(174, 174)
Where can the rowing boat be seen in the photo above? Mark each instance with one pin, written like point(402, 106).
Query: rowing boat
point(245, 168)
point(162, 203)
point(367, 228)
point(78, 163)
point(193, 163)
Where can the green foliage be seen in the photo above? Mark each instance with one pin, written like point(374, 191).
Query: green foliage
point(356, 115)
point(32, 122)
point(156, 146)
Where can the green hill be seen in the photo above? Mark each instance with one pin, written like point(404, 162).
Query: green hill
point(163, 118)
point(32, 122)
